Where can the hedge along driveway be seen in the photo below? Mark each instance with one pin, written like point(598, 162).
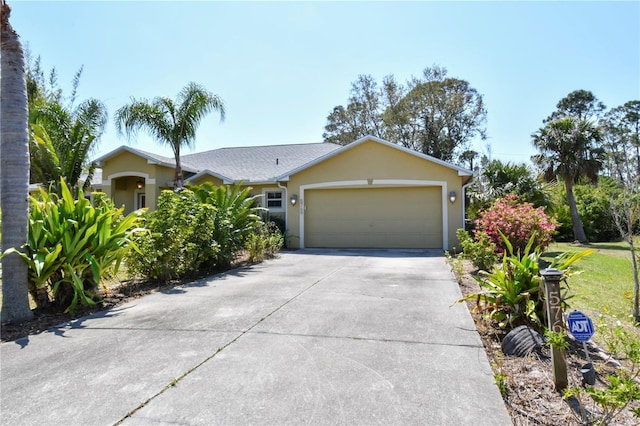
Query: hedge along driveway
point(315, 337)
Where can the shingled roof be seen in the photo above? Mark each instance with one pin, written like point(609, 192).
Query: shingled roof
point(257, 163)
point(247, 164)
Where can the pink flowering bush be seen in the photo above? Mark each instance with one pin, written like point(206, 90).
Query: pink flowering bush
point(518, 221)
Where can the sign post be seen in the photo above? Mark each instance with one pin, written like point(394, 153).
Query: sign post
point(552, 279)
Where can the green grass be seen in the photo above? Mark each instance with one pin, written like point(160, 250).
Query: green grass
point(605, 284)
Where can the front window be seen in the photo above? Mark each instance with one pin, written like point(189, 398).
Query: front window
point(274, 200)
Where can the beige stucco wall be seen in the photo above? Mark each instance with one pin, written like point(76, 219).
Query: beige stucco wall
point(121, 172)
point(371, 163)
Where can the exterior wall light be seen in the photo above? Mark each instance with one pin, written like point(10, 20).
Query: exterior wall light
point(293, 199)
point(452, 197)
point(140, 184)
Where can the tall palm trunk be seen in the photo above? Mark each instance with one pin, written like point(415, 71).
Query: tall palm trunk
point(14, 172)
point(178, 180)
point(578, 228)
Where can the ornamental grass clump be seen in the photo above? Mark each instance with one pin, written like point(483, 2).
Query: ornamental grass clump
point(517, 221)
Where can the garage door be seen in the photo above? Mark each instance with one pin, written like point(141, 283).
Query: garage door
point(406, 217)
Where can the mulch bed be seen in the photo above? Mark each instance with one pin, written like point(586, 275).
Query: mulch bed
point(529, 394)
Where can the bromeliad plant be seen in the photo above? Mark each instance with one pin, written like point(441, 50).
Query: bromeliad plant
point(512, 292)
point(72, 246)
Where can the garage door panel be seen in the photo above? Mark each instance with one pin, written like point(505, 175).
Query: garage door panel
point(374, 217)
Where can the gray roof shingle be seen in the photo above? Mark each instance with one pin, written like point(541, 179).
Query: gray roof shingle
point(257, 163)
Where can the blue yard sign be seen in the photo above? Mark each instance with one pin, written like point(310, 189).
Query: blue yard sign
point(580, 326)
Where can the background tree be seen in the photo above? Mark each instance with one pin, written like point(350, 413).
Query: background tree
point(441, 115)
point(622, 125)
point(581, 104)
point(569, 150)
point(434, 114)
point(363, 114)
point(468, 158)
point(594, 204)
point(173, 123)
point(63, 140)
point(622, 140)
point(14, 172)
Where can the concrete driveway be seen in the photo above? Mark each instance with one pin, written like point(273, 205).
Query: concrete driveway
point(351, 337)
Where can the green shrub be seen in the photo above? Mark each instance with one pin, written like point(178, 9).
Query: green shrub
point(480, 250)
point(594, 207)
point(72, 245)
point(499, 179)
point(193, 231)
point(264, 242)
point(181, 238)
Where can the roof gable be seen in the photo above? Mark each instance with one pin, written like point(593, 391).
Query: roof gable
point(149, 156)
point(460, 170)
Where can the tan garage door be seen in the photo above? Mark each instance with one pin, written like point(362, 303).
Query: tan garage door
point(406, 217)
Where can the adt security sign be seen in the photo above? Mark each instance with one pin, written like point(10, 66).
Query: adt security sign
point(580, 326)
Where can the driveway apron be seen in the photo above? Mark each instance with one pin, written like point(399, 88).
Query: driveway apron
point(320, 337)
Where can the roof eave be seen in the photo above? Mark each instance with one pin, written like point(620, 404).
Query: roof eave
point(150, 160)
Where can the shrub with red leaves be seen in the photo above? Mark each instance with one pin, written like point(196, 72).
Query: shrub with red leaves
point(517, 221)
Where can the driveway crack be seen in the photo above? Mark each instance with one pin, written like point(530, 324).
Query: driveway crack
point(371, 339)
point(175, 381)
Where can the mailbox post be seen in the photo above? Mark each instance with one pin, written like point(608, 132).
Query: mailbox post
point(552, 279)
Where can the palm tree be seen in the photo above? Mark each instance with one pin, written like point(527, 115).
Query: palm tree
point(62, 140)
point(14, 173)
point(62, 135)
point(171, 123)
point(569, 150)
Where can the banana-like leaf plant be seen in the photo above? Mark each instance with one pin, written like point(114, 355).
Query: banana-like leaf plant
point(73, 245)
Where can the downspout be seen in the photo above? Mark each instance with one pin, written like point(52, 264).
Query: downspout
point(286, 206)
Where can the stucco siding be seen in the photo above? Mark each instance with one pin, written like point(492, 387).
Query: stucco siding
point(374, 165)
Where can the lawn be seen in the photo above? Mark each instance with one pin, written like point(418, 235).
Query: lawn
point(605, 284)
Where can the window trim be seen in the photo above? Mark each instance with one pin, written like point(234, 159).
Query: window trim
point(265, 199)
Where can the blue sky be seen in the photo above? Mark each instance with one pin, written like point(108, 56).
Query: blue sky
point(281, 67)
